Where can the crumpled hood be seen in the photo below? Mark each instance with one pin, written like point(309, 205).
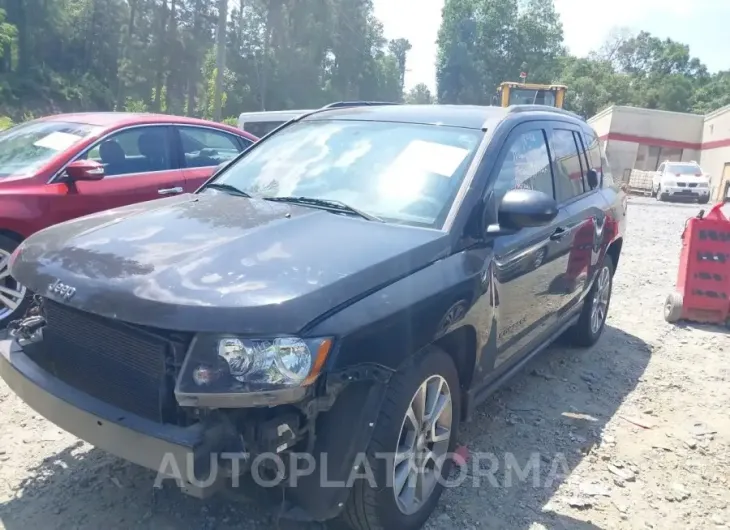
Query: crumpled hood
point(215, 262)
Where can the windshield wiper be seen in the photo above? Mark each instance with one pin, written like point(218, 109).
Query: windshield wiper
point(227, 187)
point(327, 204)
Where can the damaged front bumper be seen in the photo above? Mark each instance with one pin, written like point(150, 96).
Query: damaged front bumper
point(344, 429)
point(181, 453)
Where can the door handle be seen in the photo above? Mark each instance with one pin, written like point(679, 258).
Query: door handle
point(559, 234)
point(170, 191)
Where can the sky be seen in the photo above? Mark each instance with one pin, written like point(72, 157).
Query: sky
point(702, 24)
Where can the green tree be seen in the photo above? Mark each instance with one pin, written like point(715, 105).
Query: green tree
point(419, 95)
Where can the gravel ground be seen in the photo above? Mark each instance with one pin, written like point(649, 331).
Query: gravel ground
point(633, 433)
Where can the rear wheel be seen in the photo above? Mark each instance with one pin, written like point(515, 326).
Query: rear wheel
point(14, 298)
point(592, 320)
point(417, 426)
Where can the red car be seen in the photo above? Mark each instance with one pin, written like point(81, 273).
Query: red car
point(62, 167)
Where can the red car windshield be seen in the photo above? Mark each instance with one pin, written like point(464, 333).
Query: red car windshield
point(27, 147)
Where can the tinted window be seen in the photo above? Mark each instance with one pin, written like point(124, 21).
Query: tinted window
point(526, 165)
point(594, 151)
point(206, 147)
point(139, 150)
point(401, 172)
point(566, 161)
point(261, 128)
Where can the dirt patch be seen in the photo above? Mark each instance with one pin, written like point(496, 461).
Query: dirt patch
point(633, 433)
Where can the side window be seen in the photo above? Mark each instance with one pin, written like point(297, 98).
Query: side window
point(526, 165)
point(245, 142)
point(566, 163)
point(597, 160)
point(138, 150)
point(582, 159)
point(206, 147)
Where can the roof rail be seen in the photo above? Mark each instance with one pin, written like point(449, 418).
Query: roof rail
point(513, 109)
point(341, 104)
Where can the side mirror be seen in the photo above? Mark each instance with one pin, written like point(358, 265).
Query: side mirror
point(592, 177)
point(85, 170)
point(522, 208)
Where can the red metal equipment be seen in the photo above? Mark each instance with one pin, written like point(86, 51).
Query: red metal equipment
point(703, 282)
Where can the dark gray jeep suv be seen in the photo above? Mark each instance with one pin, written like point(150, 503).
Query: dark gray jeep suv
point(324, 311)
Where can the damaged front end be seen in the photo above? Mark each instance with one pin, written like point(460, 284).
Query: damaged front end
point(223, 403)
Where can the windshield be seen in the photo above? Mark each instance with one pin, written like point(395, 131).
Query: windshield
point(27, 147)
point(523, 96)
point(399, 172)
point(684, 169)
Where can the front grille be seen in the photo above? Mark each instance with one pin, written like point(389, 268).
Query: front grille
point(120, 364)
point(681, 184)
point(693, 185)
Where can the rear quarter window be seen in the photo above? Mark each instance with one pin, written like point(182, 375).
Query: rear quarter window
point(597, 159)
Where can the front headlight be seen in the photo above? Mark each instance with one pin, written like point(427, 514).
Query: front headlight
point(703, 185)
point(230, 364)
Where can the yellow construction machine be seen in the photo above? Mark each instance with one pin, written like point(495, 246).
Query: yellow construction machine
point(512, 93)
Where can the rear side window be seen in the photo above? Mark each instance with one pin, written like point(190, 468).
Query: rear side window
point(597, 159)
point(204, 147)
point(566, 161)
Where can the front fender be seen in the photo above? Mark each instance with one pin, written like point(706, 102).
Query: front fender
point(20, 216)
point(389, 326)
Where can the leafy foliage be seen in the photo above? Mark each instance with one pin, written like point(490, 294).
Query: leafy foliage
point(485, 42)
point(160, 55)
point(163, 56)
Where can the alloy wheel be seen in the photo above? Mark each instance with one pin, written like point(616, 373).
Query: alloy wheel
point(11, 292)
point(424, 440)
point(600, 299)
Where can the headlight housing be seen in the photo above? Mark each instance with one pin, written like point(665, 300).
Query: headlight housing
point(217, 364)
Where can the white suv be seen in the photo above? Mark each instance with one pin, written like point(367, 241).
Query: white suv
point(681, 180)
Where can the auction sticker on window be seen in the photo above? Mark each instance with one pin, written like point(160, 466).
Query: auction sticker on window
point(58, 141)
point(431, 157)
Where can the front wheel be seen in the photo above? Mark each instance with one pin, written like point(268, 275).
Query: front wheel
point(704, 200)
point(411, 448)
point(592, 320)
point(14, 297)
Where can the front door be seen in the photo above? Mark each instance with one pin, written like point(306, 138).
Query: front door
point(526, 263)
point(204, 149)
point(139, 165)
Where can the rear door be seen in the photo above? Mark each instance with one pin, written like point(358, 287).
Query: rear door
point(585, 215)
point(203, 149)
point(139, 165)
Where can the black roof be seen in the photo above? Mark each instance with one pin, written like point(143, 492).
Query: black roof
point(467, 116)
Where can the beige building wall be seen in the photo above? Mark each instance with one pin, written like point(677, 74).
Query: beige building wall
point(715, 158)
point(675, 127)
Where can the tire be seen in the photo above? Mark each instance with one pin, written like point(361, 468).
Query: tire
point(658, 194)
point(7, 285)
point(584, 334)
point(376, 508)
point(673, 307)
point(704, 201)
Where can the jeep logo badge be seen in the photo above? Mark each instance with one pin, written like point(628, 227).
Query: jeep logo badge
point(65, 292)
